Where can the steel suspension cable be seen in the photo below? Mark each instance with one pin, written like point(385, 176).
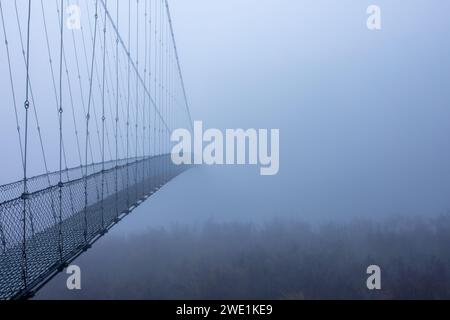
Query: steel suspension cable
point(31, 95)
point(104, 86)
point(155, 83)
point(109, 94)
point(117, 115)
point(52, 72)
point(83, 103)
point(99, 84)
point(149, 86)
point(183, 87)
point(164, 88)
point(160, 89)
point(144, 119)
point(137, 99)
point(167, 98)
point(25, 195)
point(11, 81)
point(119, 85)
point(128, 105)
point(103, 117)
point(93, 73)
point(87, 119)
point(128, 54)
point(60, 184)
point(2, 233)
point(55, 217)
point(112, 96)
point(60, 111)
point(89, 78)
point(69, 87)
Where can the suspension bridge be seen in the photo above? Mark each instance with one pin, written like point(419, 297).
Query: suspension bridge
point(91, 90)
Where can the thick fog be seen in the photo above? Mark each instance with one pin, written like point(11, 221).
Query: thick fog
point(364, 116)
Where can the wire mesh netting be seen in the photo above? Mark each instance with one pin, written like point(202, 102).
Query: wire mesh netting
point(39, 233)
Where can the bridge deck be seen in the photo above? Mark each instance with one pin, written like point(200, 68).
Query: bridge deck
point(51, 242)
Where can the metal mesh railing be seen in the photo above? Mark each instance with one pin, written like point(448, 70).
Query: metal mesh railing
point(38, 241)
point(14, 190)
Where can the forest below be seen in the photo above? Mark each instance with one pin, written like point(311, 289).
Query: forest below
point(283, 259)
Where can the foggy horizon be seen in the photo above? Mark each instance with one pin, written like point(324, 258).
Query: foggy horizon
point(364, 125)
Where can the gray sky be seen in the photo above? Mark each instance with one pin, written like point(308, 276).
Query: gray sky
point(364, 115)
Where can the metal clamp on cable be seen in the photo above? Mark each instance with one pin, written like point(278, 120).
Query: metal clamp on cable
point(62, 266)
point(25, 196)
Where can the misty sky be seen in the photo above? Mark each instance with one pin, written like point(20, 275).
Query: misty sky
point(364, 115)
